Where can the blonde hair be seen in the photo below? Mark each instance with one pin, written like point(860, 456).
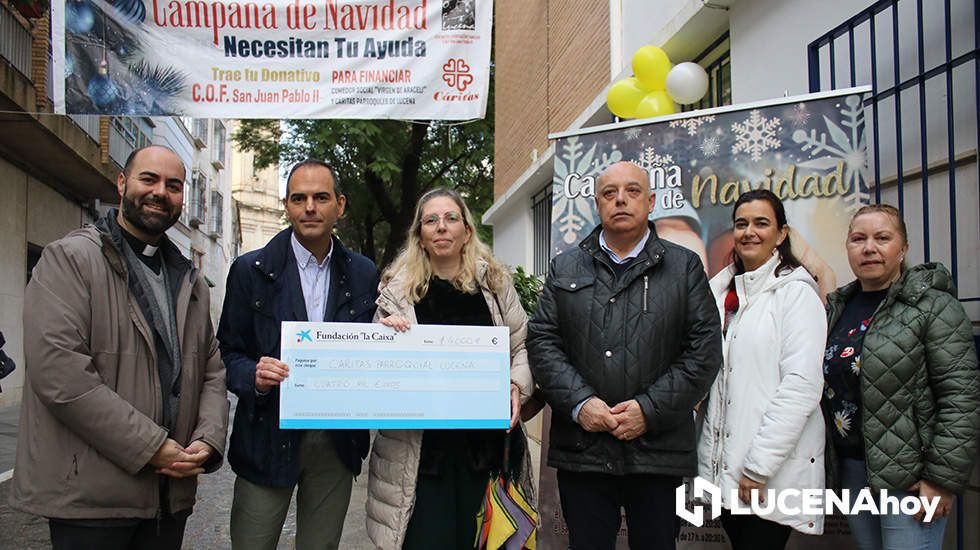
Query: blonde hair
point(413, 260)
point(887, 210)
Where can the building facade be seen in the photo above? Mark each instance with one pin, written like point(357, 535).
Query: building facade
point(556, 60)
point(58, 173)
point(257, 200)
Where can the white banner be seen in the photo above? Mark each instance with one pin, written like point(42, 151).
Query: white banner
point(399, 59)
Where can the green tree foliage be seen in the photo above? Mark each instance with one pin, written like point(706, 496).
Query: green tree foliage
point(528, 289)
point(384, 166)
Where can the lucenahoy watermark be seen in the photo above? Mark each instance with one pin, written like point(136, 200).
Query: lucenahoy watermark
point(793, 502)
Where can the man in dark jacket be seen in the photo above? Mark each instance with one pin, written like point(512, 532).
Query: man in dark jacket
point(625, 341)
point(304, 273)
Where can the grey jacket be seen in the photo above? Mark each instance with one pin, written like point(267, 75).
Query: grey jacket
point(92, 408)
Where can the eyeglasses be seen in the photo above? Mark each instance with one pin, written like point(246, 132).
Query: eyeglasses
point(451, 218)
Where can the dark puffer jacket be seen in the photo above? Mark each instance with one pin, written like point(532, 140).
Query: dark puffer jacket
point(652, 335)
point(919, 383)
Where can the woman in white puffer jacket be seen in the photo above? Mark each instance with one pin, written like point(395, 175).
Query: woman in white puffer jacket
point(763, 427)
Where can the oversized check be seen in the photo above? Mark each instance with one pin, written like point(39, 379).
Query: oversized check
point(357, 375)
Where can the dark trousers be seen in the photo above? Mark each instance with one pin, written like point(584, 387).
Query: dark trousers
point(591, 503)
point(446, 506)
point(754, 533)
point(115, 535)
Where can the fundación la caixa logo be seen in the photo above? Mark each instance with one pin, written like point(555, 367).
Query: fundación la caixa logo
point(793, 502)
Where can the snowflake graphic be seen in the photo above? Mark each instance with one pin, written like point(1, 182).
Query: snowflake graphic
point(842, 421)
point(576, 214)
point(710, 146)
point(755, 135)
point(848, 146)
point(650, 159)
point(632, 133)
point(692, 124)
point(800, 115)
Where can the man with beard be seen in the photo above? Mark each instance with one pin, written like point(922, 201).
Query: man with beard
point(124, 400)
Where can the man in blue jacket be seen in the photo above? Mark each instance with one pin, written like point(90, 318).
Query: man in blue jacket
point(304, 273)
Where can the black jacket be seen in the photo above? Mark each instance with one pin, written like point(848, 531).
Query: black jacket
point(651, 334)
point(263, 290)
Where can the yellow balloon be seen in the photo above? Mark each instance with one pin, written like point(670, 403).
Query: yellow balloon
point(651, 65)
point(624, 96)
point(656, 103)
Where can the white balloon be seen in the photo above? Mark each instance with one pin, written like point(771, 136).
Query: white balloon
point(687, 83)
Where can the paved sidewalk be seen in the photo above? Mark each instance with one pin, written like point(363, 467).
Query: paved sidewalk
point(207, 527)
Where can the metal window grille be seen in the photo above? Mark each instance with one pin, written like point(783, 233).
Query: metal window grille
point(199, 131)
point(541, 222)
point(923, 114)
point(219, 143)
point(217, 219)
point(717, 62)
point(922, 117)
point(198, 200)
point(15, 42)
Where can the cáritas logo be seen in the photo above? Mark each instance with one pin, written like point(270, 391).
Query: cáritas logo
point(456, 74)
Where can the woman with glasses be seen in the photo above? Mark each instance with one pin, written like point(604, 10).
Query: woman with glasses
point(425, 487)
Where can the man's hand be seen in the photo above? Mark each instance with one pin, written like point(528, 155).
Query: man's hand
point(928, 491)
point(629, 419)
point(595, 416)
point(175, 461)
point(745, 488)
point(269, 372)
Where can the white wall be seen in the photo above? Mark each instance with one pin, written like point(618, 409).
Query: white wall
point(512, 232)
point(769, 43)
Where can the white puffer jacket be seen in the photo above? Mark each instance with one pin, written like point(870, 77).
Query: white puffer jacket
point(395, 454)
point(763, 412)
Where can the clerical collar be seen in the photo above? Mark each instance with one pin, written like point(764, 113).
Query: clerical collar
point(147, 253)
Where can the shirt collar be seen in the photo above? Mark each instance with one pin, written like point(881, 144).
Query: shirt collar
point(304, 256)
point(632, 253)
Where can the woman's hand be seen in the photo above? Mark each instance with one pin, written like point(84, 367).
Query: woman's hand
point(745, 488)
point(929, 491)
point(515, 405)
point(397, 322)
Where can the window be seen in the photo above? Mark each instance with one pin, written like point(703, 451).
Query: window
point(541, 221)
point(217, 218)
point(219, 146)
point(132, 131)
point(186, 207)
point(716, 60)
point(199, 132)
point(198, 199)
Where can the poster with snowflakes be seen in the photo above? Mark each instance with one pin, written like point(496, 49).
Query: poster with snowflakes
point(404, 59)
point(810, 150)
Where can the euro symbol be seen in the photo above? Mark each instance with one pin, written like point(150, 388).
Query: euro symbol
point(494, 340)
